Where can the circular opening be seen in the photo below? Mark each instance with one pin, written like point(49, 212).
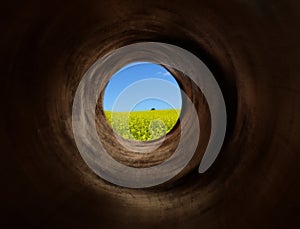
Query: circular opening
point(142, 101)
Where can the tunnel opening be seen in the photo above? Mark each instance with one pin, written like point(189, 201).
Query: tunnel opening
point(142, 101)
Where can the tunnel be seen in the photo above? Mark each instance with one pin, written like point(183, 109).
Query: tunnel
point(252, 49)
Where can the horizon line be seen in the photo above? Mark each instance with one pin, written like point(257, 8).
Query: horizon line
point(145, 110)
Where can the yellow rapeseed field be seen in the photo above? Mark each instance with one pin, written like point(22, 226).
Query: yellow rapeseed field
point(143, 125)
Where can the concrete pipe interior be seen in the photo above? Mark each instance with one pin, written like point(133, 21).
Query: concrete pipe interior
point(252, 49)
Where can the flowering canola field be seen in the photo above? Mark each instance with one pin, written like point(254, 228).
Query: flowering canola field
point(143, 125)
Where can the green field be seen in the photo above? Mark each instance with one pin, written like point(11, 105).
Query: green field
point(143, 125)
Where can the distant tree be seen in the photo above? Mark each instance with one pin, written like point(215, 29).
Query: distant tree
point(152, 109)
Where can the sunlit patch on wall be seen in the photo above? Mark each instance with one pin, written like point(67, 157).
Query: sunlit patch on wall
point(110, 101)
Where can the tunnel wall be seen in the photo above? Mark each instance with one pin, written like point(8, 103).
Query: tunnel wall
point(251, 47)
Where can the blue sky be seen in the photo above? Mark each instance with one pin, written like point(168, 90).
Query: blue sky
point(143, 86)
